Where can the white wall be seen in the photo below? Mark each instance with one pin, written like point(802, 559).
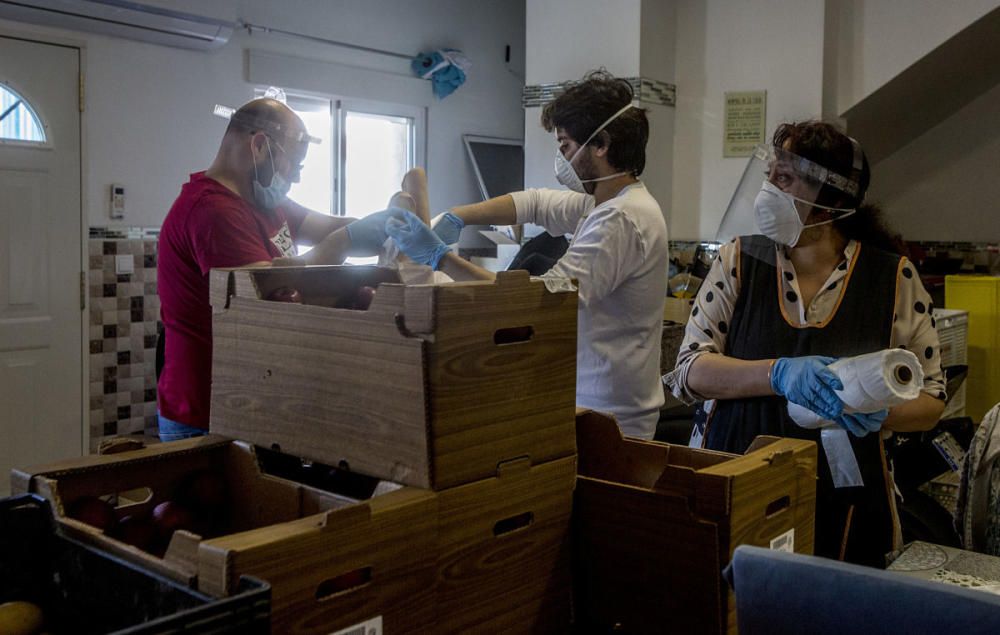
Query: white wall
point(772, 45)
point(563, 40)
point(878, 39)
point(657, 60)
point(570, 37)
point(943, 185)
point(148, 122)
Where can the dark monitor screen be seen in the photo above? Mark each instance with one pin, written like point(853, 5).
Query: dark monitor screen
point(498, 164)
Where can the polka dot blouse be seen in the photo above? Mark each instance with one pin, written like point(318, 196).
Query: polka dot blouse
point(913, 325)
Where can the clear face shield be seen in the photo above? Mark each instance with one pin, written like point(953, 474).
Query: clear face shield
point(781, 194)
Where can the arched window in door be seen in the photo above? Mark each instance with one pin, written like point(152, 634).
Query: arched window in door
point(18, 121)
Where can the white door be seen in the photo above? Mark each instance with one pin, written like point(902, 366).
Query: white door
point(41, 401)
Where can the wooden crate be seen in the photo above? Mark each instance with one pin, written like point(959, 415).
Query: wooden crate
point(656, 523)
point(505, 546)
point(433, 386)
point(331, 562)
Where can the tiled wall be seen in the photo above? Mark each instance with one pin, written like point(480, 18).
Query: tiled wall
point(124, 310)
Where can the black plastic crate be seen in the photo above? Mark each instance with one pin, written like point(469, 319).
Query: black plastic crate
point(83, 590)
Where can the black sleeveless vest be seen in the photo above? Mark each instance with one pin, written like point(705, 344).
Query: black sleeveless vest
point(854, 522)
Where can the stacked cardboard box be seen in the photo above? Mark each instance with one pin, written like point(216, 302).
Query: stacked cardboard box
point(460, 396)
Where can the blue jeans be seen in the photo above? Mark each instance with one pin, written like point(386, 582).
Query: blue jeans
point(171, 430)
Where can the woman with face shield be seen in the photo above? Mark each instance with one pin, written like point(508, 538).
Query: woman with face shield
point(822, 279)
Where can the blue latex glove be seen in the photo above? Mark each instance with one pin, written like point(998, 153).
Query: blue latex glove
point(368, 234)
point(416, 240)
point(449, 228)
point(808, 382)
point(859, 424)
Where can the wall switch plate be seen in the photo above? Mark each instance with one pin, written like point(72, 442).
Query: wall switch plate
point(117, 201)
point(124, 264)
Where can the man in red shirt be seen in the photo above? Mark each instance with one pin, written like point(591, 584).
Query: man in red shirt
point(236, 214)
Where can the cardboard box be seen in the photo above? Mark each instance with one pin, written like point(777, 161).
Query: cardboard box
point(656, 523)
point(331, 562)
point(677, 309)
point(433, 386)
point(505, 549)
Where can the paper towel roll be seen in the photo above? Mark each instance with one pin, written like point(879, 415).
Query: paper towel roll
point(871, 382)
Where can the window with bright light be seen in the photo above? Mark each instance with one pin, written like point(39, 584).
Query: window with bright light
point(18, 121)
point(378, 151)
point(315, 187)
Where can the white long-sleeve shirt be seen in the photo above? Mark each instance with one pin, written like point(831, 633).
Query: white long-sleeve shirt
point(619, 256)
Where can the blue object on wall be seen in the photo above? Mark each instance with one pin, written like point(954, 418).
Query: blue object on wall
point(444, 67)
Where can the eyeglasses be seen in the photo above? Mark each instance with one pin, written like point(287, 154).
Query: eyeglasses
point(296, 168)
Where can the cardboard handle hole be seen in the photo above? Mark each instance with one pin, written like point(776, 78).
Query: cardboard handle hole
point(343, 583)
point(777, 506)
point(513, 335)
point(513, 523)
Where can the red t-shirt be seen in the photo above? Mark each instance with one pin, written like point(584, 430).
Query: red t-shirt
point(207, 226)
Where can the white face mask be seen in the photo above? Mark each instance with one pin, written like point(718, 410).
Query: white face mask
point(778, 218)
point(566, 174)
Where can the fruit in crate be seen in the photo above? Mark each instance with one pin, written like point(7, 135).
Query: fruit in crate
point(137, 530)
point(20, 618)
point(206, 494)
point(93, 511)
point(363, 298)
point(169, 516)
point(204, 490)
point(285, 294)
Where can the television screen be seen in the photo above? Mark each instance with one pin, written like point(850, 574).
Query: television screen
point(498, 164)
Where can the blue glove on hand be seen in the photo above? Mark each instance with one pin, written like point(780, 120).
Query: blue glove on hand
point(859, 424)
point(416, 240)
point(808, 382)
point(449, 228)
point(368, 234)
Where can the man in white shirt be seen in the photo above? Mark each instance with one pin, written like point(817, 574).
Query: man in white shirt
point(618, 252)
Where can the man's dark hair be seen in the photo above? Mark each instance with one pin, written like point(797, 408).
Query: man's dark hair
point(589, 103)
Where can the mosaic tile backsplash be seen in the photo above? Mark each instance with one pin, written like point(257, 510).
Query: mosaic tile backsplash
point(124, 311)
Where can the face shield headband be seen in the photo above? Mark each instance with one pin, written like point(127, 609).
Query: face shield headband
point(273, 129)
point(780, 189)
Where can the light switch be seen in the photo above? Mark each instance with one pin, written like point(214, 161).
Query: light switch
point(124, 264)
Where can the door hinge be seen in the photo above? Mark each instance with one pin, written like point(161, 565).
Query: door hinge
point(83, 290)
point(82, 102)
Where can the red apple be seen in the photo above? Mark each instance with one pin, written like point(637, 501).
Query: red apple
point(363, 298)
point(285, 294)
point(138, 531)
point(94, 512)
point(170, 516)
